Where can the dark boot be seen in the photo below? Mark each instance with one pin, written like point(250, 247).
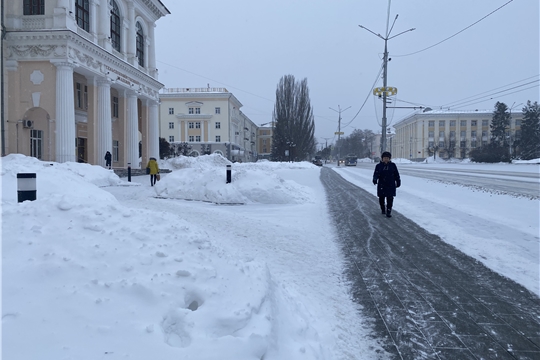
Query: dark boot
point(389, 212)
point(383, 211)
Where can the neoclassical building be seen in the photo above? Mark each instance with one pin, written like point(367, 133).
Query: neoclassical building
point(446, 133)
point(210, 121)
point(80, 79)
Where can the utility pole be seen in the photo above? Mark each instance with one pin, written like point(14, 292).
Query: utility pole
point(339, 133)
point(384, 91)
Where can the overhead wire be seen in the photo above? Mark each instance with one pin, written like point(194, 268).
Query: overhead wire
point(459, 32)
point(497, 88)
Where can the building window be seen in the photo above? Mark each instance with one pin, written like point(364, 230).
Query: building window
point(218, 110)
point(473, 122)
point(115, 107)
point(463, 123)
point(171, 125)
point(115, 25)
point(34, 7)
point(191, 125)
point(197, 125)
point(218, 125)
point(473, 143)
point(140, 44)
point(462, 135)
point(518, 122)
point(452, 122)
point(36, 143)
point(430, 144)
point(473, 134)
point(198, 138)
point(441, 143)
point(171, 139)
point(82, 14)
point(441, 123)
point(191, 138)
point(441, 134)
point(197, 110)
point(78, 95)
point(191, 111)
point(115, 150)
point(218, 138)
point(431, 123)
point(462, 144)
point(431, 134)
point(171, 111)
point(485, 122)
point(452, 135)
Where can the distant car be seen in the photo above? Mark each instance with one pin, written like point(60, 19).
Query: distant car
point(351, 160)
point(341, 161)
point(317, 162)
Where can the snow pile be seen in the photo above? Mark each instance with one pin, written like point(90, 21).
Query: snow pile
point(249, 184)
point(86, 277)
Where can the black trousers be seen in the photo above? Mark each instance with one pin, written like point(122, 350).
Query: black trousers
point(153, 179)
point(389, 201)
point(108, 164)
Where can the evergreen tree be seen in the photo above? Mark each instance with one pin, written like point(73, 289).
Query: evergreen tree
point(164, 148)
point(529, 143)
point(294, 127)
point(499, 124)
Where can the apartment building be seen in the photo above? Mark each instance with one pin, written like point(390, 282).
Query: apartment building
point(80, 79)
point(209, 120)
point(447, 134)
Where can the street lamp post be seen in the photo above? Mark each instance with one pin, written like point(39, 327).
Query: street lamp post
point(385, 90)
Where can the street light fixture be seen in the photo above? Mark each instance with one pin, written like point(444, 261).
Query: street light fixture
point(385, 89)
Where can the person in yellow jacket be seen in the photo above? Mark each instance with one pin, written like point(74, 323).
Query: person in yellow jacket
point(153, 169)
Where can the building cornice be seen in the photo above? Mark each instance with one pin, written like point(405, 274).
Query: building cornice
point(65, 45)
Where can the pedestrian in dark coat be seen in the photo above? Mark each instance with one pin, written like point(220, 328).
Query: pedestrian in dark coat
point(108, 158)
point(386, 177)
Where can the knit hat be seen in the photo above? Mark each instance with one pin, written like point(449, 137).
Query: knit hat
point(386, 154)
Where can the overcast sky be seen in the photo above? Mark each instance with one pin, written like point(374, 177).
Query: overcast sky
point(247, 46)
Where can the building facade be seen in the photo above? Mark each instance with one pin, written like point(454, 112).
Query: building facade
point(81, 80)
point(265, 135)
point(209, 120)
point(446, 134)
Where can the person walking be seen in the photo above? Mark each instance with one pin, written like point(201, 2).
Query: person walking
point(386, 177)
point(108, 158)
point(153, 170)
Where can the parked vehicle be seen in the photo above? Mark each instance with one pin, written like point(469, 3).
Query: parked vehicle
point(317, 161)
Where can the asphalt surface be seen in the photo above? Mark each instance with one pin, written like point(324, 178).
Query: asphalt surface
point(424, 298)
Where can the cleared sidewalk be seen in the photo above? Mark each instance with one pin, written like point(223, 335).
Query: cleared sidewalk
point(426, 299)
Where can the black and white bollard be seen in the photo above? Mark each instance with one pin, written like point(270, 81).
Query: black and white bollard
point(26, 187)
point(228, 174)
point(129, 172)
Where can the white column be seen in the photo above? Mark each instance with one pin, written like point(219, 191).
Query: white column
point(105, 25)
point(152, 51)
point(103, 121)
point(131, 34)
point(153, 129)
point(65, 113)
point(93, 18)
point(132, 130)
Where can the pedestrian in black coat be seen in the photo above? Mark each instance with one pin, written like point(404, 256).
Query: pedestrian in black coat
point(108, 158)
point(386, 177)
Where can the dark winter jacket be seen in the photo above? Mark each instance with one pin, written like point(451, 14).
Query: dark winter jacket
point(108, 157)
point(386, 176)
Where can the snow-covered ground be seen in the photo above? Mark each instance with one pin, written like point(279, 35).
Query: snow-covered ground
point(99, 268)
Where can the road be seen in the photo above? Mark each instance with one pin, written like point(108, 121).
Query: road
point(425, 298)
point(518, 183)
